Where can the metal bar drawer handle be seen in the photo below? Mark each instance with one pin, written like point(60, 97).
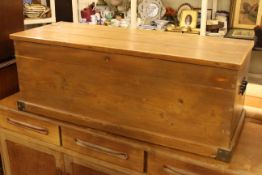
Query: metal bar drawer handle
point(172, 170)
point(27, 126)
point(102, 149)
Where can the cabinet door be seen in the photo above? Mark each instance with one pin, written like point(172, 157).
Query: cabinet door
point(169, 163)
point(89, 166)
point(26, 157)
point(78, 169)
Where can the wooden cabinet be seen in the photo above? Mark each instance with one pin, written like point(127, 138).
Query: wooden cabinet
point(30, 125)
point(78, 169)
point(32, 145)
point(11, 20)
point(106, 147)
point(167, 164)
point(23, 157)
point(83, 170)
point(86, 166)
point(85, 151)
point(246, 159)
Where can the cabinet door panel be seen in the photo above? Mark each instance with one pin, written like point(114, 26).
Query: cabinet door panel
point(83, 170)
point(26, 156)
point(83, 165)
point(27, 161)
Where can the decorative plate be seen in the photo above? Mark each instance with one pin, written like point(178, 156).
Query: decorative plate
point(150, 10)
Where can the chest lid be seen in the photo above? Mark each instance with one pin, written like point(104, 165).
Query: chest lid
point(177, 47)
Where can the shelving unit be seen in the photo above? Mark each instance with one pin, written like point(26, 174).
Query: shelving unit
point(75, 11)
point(52, 19)
point(204, 8)
point(134, 5)
point(39, 21)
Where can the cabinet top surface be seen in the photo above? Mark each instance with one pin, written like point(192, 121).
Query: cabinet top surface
point(186, 48)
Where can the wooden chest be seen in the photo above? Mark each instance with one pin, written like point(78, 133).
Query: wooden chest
point(181, 91)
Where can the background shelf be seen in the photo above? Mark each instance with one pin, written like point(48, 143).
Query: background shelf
point(31, 21)
point(52, 19)
point(204, 4)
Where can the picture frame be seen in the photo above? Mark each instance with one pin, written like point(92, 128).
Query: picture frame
point(232, 11)
point(189, 19)
point(243, 34)
point(182, 7)
point(247, 34)
point(247, 14)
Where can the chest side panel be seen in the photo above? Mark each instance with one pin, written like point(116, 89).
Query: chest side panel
point(155, 97)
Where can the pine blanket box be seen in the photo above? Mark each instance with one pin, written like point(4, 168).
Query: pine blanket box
point(176, 90)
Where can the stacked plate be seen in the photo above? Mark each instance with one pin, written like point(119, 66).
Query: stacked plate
point(36, 10)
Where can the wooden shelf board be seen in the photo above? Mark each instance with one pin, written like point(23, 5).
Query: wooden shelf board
point(29, 21)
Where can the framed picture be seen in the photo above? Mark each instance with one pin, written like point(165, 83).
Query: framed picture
point(182, 7)
point(243, 33)
point(247, 14)
point(209, 15)
point(188, 19)
point(247, 34)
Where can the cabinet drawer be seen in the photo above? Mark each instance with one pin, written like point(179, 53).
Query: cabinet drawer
point(29, 125)
point(104, 147)
point(167, 163)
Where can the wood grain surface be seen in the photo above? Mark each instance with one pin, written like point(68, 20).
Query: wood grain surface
point(226, 53)
point(24, 151)
point(182, 92)
point(29, 125)
point(246, 159)
point(104, 147)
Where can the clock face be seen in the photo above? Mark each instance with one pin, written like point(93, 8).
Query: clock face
point(152, 10)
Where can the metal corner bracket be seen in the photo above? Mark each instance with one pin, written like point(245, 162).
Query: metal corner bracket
point(21, 106)
point(224, 155)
